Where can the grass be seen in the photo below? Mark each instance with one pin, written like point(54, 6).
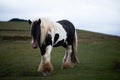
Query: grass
point(98, 54)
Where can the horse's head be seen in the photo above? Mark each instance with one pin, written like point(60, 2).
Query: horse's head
point(35, 32)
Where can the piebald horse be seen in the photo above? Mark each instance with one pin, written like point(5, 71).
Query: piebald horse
point(48, 34)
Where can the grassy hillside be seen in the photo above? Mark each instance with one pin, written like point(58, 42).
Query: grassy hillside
point(99, 56)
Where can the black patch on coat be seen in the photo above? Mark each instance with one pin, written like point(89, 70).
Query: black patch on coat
point(59, 43)
point(42, 49)
point(70, 29)
point(56, 37)
point(48, 41)
point(35, 30)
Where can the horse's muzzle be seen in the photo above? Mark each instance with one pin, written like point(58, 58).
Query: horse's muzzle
point(34, 44)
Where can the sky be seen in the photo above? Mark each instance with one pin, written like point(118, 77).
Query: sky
point(101, 16)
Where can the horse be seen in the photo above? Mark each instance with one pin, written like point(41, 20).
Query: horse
point(48, 34)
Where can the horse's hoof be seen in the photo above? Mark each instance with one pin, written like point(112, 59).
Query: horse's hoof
point(45, 69)
point(67, 65)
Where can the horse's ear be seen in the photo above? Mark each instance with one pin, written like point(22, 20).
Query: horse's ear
point(29, 21)
point(39, 21)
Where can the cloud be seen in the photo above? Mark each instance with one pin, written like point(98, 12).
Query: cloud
point(82, 9)
point(83, 13)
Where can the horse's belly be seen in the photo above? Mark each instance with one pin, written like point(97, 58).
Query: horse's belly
point(60, 43)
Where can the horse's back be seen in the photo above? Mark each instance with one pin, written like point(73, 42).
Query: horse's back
point(67, 25)
point(69, 28)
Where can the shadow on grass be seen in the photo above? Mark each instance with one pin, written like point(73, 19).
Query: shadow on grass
point(31, 74)
point(116, 65)
point(20, 74)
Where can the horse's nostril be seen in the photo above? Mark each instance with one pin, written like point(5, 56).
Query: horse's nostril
point(34, 44)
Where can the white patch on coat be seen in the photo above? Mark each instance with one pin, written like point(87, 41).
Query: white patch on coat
point(58, 29)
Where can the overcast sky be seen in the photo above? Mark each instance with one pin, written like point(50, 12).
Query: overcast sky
point(94, 15)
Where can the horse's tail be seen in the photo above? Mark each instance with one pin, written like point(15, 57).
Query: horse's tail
point(74, 57)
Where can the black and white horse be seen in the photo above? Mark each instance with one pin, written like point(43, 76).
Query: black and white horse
point(47, 34)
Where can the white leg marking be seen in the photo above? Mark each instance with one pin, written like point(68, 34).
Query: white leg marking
point(45, 66)
point(67, 53)
point(46, 57)
point(67, 63)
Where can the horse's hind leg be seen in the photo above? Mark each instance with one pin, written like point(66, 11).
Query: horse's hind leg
point(67, 63)
point(45, 66)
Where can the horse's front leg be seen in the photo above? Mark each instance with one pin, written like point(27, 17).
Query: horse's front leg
point(45, 66)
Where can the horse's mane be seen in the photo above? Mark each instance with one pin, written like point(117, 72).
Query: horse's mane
point(47, 26)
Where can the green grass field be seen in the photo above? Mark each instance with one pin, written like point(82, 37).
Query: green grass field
point(99, 56)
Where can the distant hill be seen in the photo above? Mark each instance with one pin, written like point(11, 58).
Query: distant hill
point(17, 20)
point(22, 27)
